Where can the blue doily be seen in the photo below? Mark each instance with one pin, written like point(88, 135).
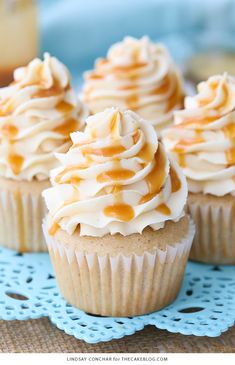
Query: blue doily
point(204, 307)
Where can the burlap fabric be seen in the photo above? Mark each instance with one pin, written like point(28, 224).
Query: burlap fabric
point(41, 336)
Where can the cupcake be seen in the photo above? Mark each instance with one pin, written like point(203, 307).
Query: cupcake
point(116, 230)
point(38, 111)
point(138, 75)
point(202, 140)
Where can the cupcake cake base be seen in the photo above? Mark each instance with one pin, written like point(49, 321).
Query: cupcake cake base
point(21, 212)
point(121, 275)
point(214, 217)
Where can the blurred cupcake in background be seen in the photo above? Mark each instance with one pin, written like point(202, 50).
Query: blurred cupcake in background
point(202, 140)
point(38, 111)
point(116, 230)
point(138, 75)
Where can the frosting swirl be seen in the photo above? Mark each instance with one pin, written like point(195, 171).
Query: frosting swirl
point(116, 177)
point(138, 75)
point(38, 111)
point(203, 137)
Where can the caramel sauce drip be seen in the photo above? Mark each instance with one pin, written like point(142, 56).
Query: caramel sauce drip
point(95, 76)
point(131, 86)
point(54, 90)
point(132, 101)
point(229, 130)
point(73, 180)
point(133, 67)
point(163, 88)
point(113, 175)
point(181, 160)
point(136, 136)
point(146, 198)
point(93, 135)
point(102, 62)
point(116, 189)
point(53, 229)
point(175, 181)
point(156, 177)
point(114, 124)
point(164, 209)
point(45, 93)
point(105, 151)
point(9, 131)
point(146, 153)
point(68, 126)
point(230, 156)
point(122, 212)
point(16, 162)
point(197, 120)
point(198, 133)
point(182, 145)
point(64, 107)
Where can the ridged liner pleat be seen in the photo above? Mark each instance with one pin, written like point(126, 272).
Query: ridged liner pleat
point(119, 285)
point(214, 241)
point(21, 221)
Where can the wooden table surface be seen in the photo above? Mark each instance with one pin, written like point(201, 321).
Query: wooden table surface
point(40, 335)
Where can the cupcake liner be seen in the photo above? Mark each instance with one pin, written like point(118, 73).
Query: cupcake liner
point(214, 241)
point(21, 217)
point(119, 285)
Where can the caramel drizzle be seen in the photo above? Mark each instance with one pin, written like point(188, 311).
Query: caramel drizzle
point(230, 156)
point(182, 145)
point(156, 178)
point(132, 101)
point(147, 153)
point(122, 212)
point(9, 131)
point(115, 175)
point(130, 68)
point(75, 179)
point(163, 209)
point(16, 161)
point(199, 120)
point(181, 160)
point(175, 181)
point(104, 151)
point(229, 130)
point(53, 229)
point(68, 126)
point(64, 107)
point(114, 125)
point(54, 90)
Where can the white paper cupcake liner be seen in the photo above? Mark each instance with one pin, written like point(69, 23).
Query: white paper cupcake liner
point(119, 285)
point(214, 241)
point(21, 221)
